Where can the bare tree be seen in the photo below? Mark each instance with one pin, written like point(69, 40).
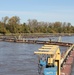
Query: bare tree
point(5, 19)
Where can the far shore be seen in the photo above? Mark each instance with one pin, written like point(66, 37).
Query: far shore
point(34, 35)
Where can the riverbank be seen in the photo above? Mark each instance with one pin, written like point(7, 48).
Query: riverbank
point(36, 35)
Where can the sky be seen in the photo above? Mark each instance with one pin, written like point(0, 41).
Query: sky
point(42, 10)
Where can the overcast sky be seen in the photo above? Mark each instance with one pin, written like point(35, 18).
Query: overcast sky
point(42, 10)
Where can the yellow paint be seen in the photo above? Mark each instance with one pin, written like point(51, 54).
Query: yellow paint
point(55, 56)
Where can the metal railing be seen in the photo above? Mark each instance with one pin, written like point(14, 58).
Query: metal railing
point(66, 54)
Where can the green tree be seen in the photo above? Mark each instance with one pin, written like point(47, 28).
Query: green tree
point(14, 20)
point(2, 28)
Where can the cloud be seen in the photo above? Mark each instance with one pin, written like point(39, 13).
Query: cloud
point(37, 14)
point(40, 16)
point(46, 14)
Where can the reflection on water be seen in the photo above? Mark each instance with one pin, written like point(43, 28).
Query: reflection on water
point(18, 58)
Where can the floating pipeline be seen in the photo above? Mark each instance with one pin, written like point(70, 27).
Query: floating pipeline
point(35, 41)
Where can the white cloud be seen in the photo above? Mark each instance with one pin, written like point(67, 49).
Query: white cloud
point(42, 16)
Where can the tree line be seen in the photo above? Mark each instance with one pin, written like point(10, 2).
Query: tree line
point(13, 25)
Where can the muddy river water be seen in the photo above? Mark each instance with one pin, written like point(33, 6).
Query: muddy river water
point(19, 58)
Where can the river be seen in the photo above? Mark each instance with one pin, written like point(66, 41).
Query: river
point(19, 58)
